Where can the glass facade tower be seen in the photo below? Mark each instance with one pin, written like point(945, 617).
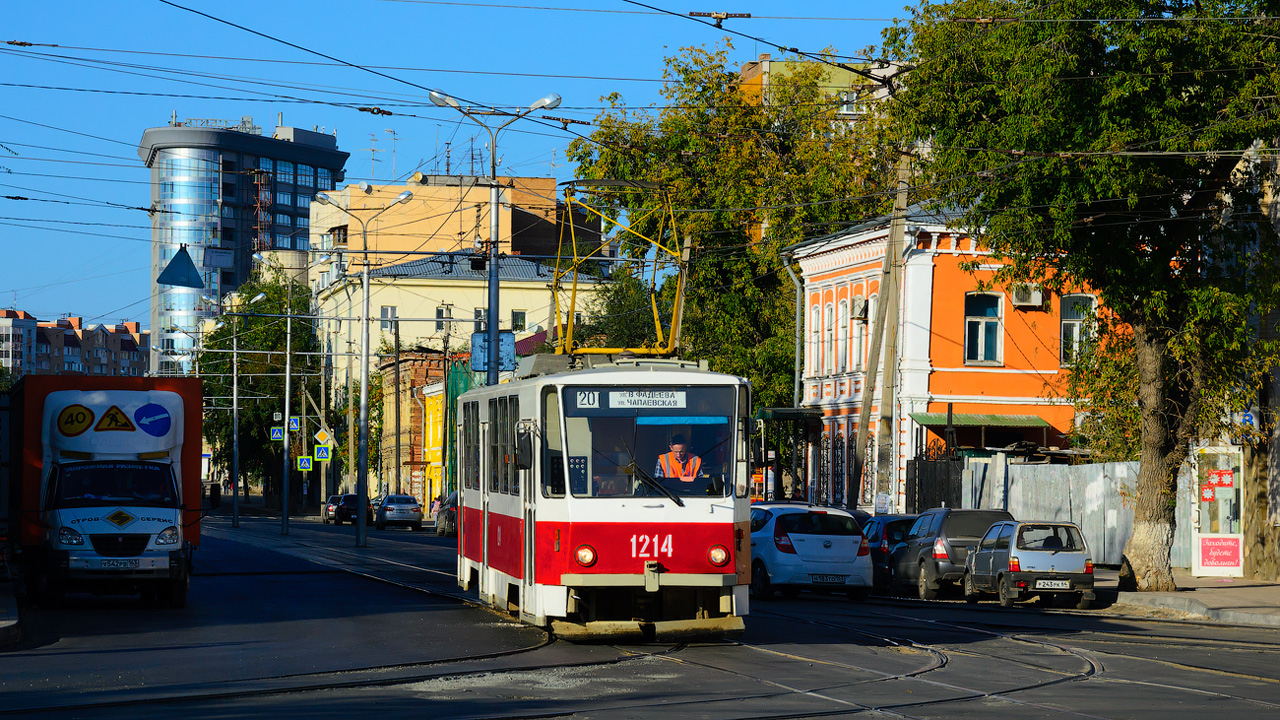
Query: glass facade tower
point(224, 193)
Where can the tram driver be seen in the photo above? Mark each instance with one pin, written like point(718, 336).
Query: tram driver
point(679, 463)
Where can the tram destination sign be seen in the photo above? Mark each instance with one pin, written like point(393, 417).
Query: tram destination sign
point(647, 399)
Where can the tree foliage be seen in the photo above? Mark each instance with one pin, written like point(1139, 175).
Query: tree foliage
point(735, 166)
point(261, 375)
point(1105, 146)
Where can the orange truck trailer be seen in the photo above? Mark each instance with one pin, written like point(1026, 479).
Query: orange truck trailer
point(105, 484)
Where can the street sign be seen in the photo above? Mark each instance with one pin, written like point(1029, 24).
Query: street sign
point(480, 351)
point(277, 417)
point(322, 452)
point(295, 423)
point(277, 433)
point(323, 437)
point(304, 462)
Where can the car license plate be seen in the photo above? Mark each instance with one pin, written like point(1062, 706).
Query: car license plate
point(119, 564)
point(1053, 584)
point(828, 578)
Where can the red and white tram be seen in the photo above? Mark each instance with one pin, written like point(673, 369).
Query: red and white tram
point(567, 517)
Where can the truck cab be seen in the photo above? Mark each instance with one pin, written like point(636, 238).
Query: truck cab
point(111, 496)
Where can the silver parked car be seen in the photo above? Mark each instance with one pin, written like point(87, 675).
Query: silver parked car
point(399, 510)
point(1017, 560)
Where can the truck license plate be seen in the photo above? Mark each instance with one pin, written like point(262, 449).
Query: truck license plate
point(119, 564)
point(828, 578)
point(1053, 584)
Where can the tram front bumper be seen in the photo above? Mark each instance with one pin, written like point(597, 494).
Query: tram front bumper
point(661, 630)
point(650, 581)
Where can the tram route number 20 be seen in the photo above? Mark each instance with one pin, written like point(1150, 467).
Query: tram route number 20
point(648, 546)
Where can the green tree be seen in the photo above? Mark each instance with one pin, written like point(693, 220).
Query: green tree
point(1105, 145)
point(732, 164)
point(261, 344)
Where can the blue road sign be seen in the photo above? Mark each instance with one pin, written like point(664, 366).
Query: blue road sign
point(277, 433)
point(480, 351)
point(322, 452)
point(295, 423)
point(304, 462)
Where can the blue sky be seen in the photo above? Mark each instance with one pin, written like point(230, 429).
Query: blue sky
point(71, 116)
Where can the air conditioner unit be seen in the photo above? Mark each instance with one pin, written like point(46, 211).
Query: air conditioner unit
point(1027, 296)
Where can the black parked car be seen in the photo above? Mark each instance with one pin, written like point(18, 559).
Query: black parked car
point(884, 533)
point(346, 510)
point(447, 517)
point(934, 551)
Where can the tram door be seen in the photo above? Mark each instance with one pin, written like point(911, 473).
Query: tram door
point(528, 495)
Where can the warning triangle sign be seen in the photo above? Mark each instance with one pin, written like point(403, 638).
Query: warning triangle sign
point(114, 419)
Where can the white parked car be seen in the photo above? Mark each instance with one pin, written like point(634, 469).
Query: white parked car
point(798, 547)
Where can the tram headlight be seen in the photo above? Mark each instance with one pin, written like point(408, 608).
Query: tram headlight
point(586, 555)
point(718, 555)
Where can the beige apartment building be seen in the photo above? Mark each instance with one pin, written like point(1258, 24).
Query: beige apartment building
point(67, 347)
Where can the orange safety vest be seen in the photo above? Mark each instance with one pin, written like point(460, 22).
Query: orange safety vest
point(669, 464)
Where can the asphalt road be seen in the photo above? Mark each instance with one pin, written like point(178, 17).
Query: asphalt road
point(310, 625)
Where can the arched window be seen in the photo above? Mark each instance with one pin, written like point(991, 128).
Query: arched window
point(982, 328)
point(840, 473)
point(842, 340)
point(1076, 312)
point(824, 469)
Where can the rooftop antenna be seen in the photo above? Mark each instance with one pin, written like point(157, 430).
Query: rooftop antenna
point(373, 151)
point(393, 154)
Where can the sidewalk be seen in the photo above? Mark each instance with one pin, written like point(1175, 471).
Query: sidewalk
point(1226, 600)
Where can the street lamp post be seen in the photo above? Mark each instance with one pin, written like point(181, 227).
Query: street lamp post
point(443, 100)
point(235, 414)
point(362, 462)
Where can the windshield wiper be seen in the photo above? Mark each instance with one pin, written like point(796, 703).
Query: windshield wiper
point(649, 480)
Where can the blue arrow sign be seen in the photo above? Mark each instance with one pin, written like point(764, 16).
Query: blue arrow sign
point(277, 433)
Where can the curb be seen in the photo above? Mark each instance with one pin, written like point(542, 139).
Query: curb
point(1186, 604)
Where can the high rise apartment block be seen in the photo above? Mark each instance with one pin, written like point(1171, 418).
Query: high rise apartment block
point(224, 192)
point(68, 347)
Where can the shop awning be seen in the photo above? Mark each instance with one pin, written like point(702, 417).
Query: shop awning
point(929, 419)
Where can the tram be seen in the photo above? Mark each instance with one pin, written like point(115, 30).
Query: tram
point(580, 512)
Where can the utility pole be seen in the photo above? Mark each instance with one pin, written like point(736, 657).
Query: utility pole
point(888, 296)
point(395, 324)
point(393, 153)
point(351, 428)
point(288, 391)
point(235, 425)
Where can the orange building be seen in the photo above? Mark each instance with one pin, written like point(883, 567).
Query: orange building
point(995, 354)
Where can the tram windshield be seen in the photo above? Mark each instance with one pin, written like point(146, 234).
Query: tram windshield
point(659, 441)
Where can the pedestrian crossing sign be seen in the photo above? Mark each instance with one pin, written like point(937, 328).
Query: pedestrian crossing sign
point(304, 462)
point(277, 433)
point(295, 423)
point(322, 452)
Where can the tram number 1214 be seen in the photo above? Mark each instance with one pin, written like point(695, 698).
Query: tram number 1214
point(647, 546)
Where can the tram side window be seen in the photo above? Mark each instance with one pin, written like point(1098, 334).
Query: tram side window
point(495, 477)
point(552, 446)
point(512, 418)
point(471, 446)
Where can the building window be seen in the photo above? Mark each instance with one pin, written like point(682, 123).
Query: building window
point(284, 198)
point(303, 222)
point(303, 200)
point(282, 219)
point(443, 312)
point(481, 325)
point(266, 164)
point(324, 179)
point(982, 328)
point(1076, 311)
point(284, 171)
point(517, 320)
point(388, 313)
point(815, 340)
point(842, 340)
point(829, 336)
point(306, 175)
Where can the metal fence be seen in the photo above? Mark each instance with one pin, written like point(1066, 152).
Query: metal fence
point(1091, 496)
point(933, 483)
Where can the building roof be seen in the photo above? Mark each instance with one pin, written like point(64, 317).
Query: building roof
point(918, 214)
point(979, 420)
point(458, 266)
